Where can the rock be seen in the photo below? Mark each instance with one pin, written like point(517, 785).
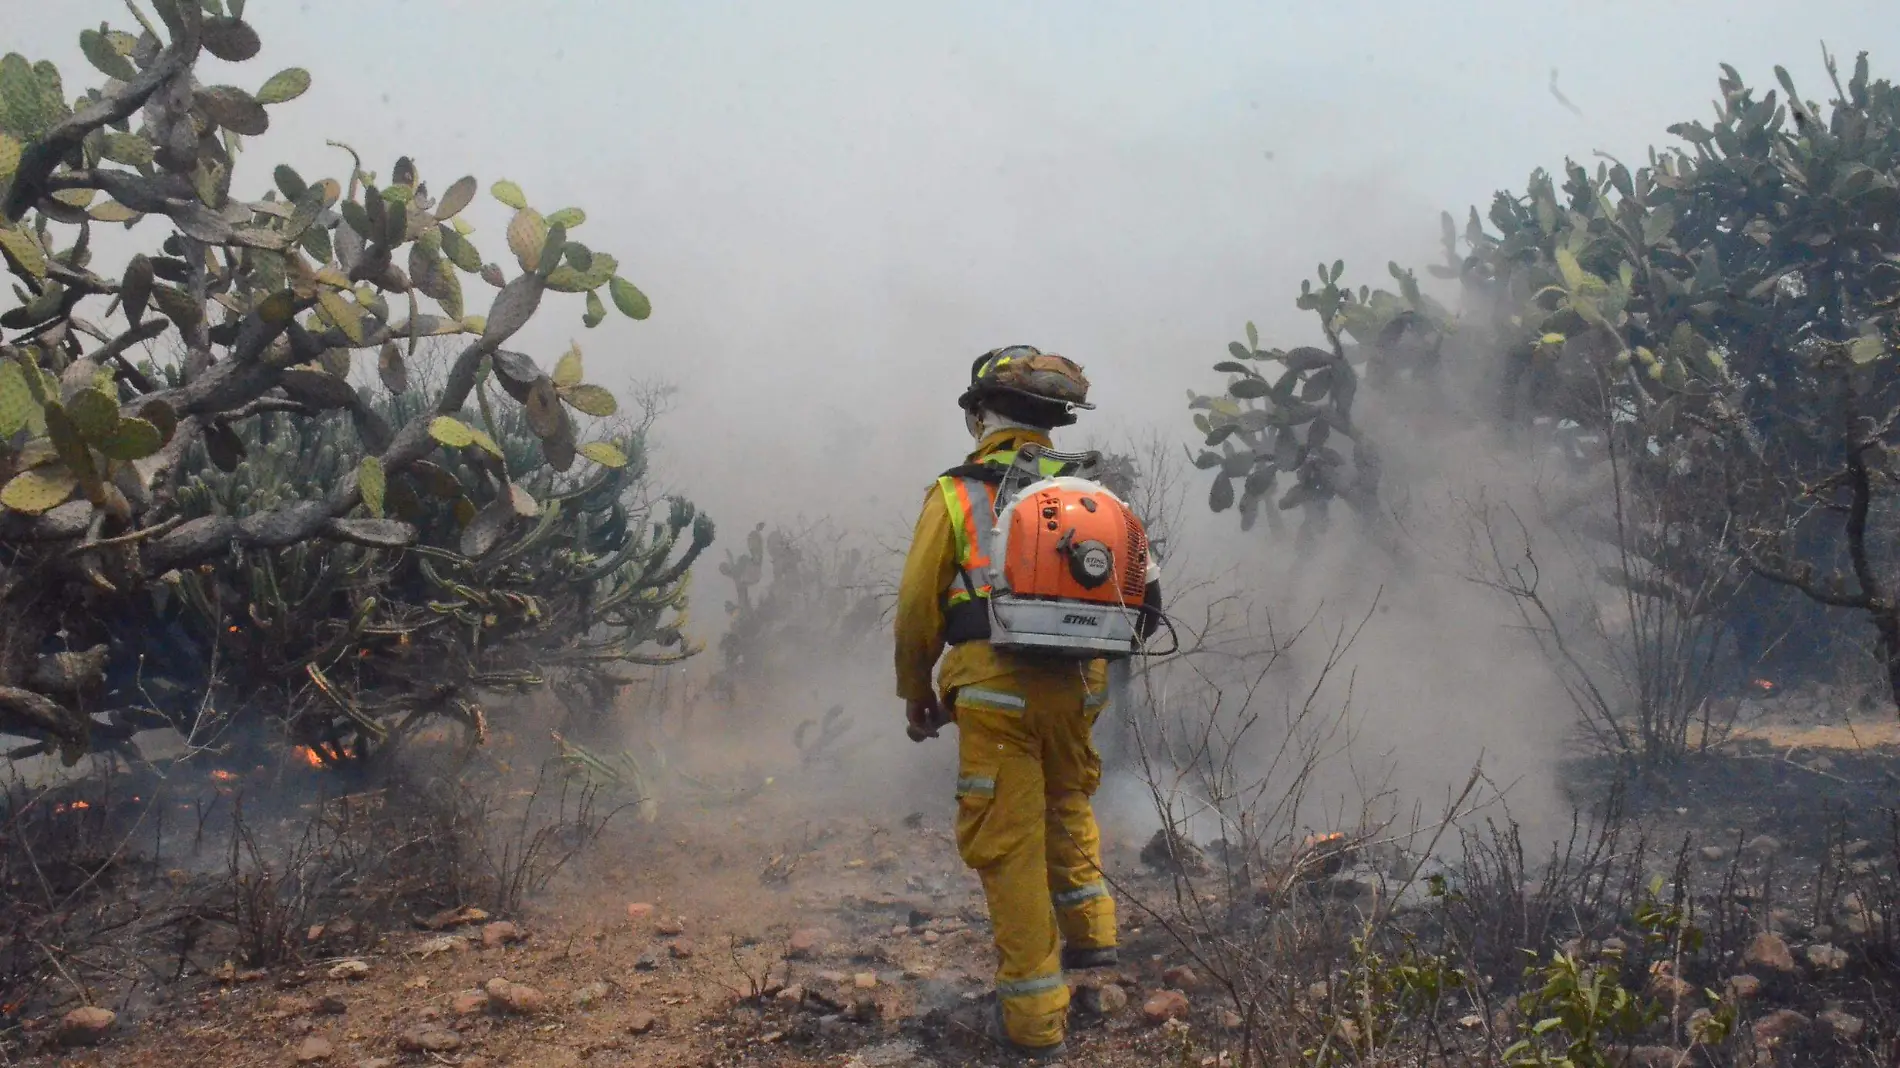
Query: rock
point(899, 930)
point(1856, 847)
point(1181, 977)
point(1164, 1005)
point(331, 1005)
point(791, 995)
point(1778, 1026)
point(1174, 853)
point(1743, 987)
point(448, 918)
point(313, 1049)
point(639, 912)
point(377, 1062)
point(591, 994)
point(680, 948)
point(1762, 845)
point(807, 942)
point(641, 1022)
point(672, 928)
point(85, 1026)
point(931, 938)
point(442, 944)
point(469, 1003)
point(864, 981)
point(1858, 916)
point(349, 970)
point(1856, 867)
point(517, 998)
point(1654, 1057)
point(1672, 988)
point(1231, 1020)
point(1826, 957)
point(833, 977)
point(1105, 1000)
point(429, 1038)
point(1785, 920)
point(1714, 854)
point(1842, 1026)
point(500, 933)
point(648, 962)
point(1770, 952)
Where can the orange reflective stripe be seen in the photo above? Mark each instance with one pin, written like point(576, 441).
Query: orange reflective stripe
point(972, 548)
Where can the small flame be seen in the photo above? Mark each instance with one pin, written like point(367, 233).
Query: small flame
point(220, 775)
point(75, 806)
point(1764, 685)
point(310, 756)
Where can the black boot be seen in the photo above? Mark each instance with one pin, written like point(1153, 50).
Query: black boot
point(1082, 958)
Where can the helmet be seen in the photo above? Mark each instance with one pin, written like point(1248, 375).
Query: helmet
point(1033, 385)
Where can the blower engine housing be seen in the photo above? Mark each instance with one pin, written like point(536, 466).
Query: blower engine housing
point(1070, 575)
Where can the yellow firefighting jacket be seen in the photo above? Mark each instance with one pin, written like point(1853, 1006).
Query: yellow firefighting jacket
point(928, 573)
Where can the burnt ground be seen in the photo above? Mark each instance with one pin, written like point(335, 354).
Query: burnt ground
point(802, 931)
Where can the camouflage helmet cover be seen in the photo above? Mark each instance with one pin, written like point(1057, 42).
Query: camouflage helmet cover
point(1027, 372)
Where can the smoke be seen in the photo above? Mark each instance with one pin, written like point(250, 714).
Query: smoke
point(835, 207)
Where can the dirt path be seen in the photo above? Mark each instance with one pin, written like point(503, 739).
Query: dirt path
point(721, 936)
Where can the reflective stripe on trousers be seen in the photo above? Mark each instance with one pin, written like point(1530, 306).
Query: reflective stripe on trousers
point(1026, 772)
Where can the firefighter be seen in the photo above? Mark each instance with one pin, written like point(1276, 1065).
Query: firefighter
point(1026, 766)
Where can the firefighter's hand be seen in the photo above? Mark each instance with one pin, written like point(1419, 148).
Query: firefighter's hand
point(925, 718)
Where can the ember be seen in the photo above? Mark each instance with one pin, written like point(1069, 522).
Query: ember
point(1764, 685)
point(220, 775)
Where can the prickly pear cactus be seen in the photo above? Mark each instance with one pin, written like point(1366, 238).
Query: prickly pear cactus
point(370, 558)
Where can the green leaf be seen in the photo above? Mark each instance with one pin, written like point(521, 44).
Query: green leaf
point(1220, 496)
point(100, 53)
point(133, 439)
point(10, 150)
point(22, 250)
point(16, 400)
point(290, 183)
point(230, 39)
point(94, 414)
point(509, 193)
point(591, 400)
point(284, 86)
point(1573, 273)
point(348, 317)
point(596, 311)
point(487, 443)
point(129, 149)
point(604, 454)
point(1866, 349)
point(568, 217)
point(567, 371)
point(459, 250)
point(631, 302)
point(374, 485)
point(39, 489)
point(234, 109)
point(527, 237)
point(452, 432)
point(455, 198)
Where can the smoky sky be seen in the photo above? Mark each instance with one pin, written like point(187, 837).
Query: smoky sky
point(836, 205)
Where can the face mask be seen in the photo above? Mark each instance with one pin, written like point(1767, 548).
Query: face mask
point(973, 425)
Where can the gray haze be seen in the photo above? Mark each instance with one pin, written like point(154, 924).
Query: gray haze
point(836, 205)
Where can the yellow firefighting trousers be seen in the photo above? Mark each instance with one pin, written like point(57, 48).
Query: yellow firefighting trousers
point(1026, 771)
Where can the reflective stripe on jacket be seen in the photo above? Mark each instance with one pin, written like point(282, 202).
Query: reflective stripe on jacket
point(932, 578)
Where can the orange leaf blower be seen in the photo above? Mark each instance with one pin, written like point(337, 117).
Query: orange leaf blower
point(1071, 574)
